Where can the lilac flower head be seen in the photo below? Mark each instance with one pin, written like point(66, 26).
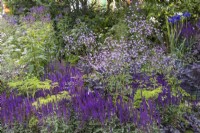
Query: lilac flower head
point(46, 18)
point(38, 10)
point(38, 13)
point(10, 19)
point(29, 18)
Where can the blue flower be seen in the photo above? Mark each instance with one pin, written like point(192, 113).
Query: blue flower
point(174, 19)
point(186, 14)
point(177, 18)
point(171, 20)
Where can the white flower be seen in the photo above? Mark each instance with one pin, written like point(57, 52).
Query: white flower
point(153, 20)
point(17, 61)
point(179, 13)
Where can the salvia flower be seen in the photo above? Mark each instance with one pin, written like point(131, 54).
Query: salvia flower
point(188, 30)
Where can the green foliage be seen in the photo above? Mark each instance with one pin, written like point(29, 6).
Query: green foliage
point(77, 40)
point(51, 98)
point(119, 84)
point(4, 87)
point(72, 59)
point(176, 45)
point(147, 94)
point(173, 115)
point(190, 5)
point(75, 24)
point(115, 126)
point(6, 30)
point(111, 125)
point(175, 85)
point(38, 46)
point(33, 122)
point(119, 30)
point(19, 128)
point(27, 47)
point(30, 85)
point(9, 68)
point(107, 23)
point(161, 10)
point(54, 124)
point(30, 46)
point(15, 5)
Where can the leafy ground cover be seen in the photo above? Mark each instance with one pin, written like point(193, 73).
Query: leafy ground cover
point(75, 67)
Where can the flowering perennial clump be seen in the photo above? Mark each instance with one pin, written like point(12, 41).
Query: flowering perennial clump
point(177, 17)
point(188, 30)
point(87, 105)
point(38, 13)
point(120, 76)
point(80, 41)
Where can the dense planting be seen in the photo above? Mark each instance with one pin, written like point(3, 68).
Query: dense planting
point(74, 66)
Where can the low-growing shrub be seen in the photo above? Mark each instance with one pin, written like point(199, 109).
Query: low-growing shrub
point(30, 85)
point(147, 94)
